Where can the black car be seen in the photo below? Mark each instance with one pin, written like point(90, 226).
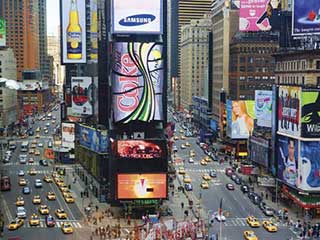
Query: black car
point(262, 205)
point(238, 181)
point(244, 188)
point(43, 162)
point(251, 194)
point(31, 133)
point(213, 173)
point(50, 221)
point(256, 199)
point(234, 177)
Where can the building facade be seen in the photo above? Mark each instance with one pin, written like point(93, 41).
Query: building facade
point(8, 64)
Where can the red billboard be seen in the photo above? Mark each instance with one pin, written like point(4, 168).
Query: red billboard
point(140, 149)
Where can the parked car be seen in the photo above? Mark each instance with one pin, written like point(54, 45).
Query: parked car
point(268, 211)
point(238, 181)
point(244, 188)
point(262, 205)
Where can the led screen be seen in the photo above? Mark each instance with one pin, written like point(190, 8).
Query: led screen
point(140, 149)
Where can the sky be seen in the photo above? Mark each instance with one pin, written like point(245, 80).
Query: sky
point(53, 17)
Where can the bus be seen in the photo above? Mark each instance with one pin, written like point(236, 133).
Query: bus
point(5, 184)
point(25, 146)
point(12, 145)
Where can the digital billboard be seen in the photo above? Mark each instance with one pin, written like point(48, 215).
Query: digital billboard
point(289, 110)
point(142, 186)
point(259, 15)
point(137, 82)
point(287, 154)
point(82, 95)
point(263, 107)
point(310, 114)
point(2, 32)
point(305, 17)
point(140, 149)
point(137, 16)
point(94, 139)
point(68, 135)
point(73, 31)
point(259, 150)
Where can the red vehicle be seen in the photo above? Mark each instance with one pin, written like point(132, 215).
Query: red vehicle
point(5, 184)
point(229, 171)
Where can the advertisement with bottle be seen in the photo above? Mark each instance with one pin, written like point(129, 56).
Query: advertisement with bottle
point(93, 31)
point(82, 95)
point(263, 107)
point(94, 139)
point(73, 31)
point(2, 32)
point(310, 117)
point(137, 82)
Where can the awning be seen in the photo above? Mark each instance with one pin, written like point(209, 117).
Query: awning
point(304, 201)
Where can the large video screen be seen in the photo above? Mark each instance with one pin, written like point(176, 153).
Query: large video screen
point(140, 149)
point(263, 107)
point(2, 32)
point(142, 186)
point(93, 139)
point(310, 114)
point(137, 82)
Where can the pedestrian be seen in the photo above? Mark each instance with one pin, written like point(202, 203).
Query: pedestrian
point(129, 220)
point(182, 205)
point(97, 208)
point(172, 193)
point(266, 196)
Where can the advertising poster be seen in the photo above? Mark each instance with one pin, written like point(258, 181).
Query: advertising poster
point(305, 17)
point(140, 149)
point(142, 186)
point(259, 151)
point(2, 32)
point(258, 15)
point(229, 118)
point(68, 135)
point(93, 31)
point(263, 107)
point(310, 114)
point(289, 110)
point(309, 166)
point(73, 31)
point(137, 82)
point(137, 16)
point(82, 95)
point(93, 139)
point(288, 160)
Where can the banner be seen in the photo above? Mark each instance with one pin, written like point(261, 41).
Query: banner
point(305, 17)
point(2, 32)
point(94, 139)
point(259, 15)
point(259, 150)
point(288, 160)
point(137, 82)
point(289, 110)
point(93, 31)
point(137, 16)
point(310, 114)
point(82, 95)
point(142, 186)
point(141, 149)
point(263, 107)
point(68, 135)
point(33, 85)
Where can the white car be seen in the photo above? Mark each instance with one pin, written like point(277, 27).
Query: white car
point(46, 131)
point(21, 212)
point(38, 183)
point(21, 173)
point(40, 144)
point(23, 159)
point(183, 146)
point(47, 124)
point(191, 160)
point(219, 217)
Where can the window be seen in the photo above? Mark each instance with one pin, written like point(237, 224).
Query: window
point(318, 81)
point(318, 64)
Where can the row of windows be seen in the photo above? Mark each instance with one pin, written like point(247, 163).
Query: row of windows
point(292, 65)
point(291, 80)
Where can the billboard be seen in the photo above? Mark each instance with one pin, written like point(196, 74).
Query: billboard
point(310, 117)
point(137, 16)
point(82, 95)
point(259, 150)
point(262, 15)
point(94, 139)
point(289, 110)
point(33, 85)
point(2, 32)
point(73, 31)
point(240, 118)
point(263, 108)
point(137, 82)
point(287, 153)
point(140, 149)
point(309, 166)
point(142, 186)
point(93, 31)
point(68, 135)
point(305, 17)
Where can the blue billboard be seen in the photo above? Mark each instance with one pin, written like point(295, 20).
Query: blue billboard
point(93, 139)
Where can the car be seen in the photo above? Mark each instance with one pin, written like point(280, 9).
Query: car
point(181, 131)
point(60, 213)
point(50, 221)
point(53, 121)
point(182, 137)
point(37, 135)
point(32, 172)
point(174, 149)
point(191, 160)
point(31, 160)
point(38, 129)
point(244, 188)
point(268, 211)
point(34, 220)
point(31, 133)
point(219, 217)
point(54, 117)
point(183, 146)
point(176, 138)
point(66, 192)
point(40, 144)
point(69, 198)
point(181, 171)
point(26, 190)
point(37, 183)
point(66, 228)
point(252, 221)
point(22, 182)
point(207, 159)
point(51, 196)
point(50, 144)
point(188, 187)
point(213, 173)
point(192, 153)
point(204, 185)
point(233, 176)
point(188, 144)
point(20, 173)
point(47, 124)
point(37, 153)
point(23, 159)
point(186, 179)
point(230, 186)
point(250, 235)
point(33, 145)
point(203, 162)
point(238, 181)
point(36, 199)
point(21, 212)
point(43, 209)
point(229, 171)
point(255, 198)
point(46, 131)
point(31, 151)
point(206, 177)
point(15, 224)
point(262, 205)
point(43, 162)
point(47, 179)
point(269, 226)
point(20, 201)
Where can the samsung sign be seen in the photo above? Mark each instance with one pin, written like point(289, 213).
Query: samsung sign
point(137, 16)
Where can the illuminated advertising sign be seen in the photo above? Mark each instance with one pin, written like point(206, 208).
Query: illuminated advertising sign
point(94, 139)
point(305, 17)
point(310, 114)
point(73, 31)
point(137, 82)
point(82, 95)
point(140, 149)
point(2, 32)
point(93, 31)
point(68, 135)
point(142, 186)
point(259, 150)
point(288, 160)
point(289, 110)
point(137, 16)
point(258, 15)
point(263, 107)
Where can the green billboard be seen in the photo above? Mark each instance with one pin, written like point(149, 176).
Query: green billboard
point(2, 32)
point(310, 114)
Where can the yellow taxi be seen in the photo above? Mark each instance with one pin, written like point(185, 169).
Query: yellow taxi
point(60, 213)
point(203, 162)
point(69, 198)
point(176, 138)
point(22, 182)
point(204, 185)
point(36, 199)
point(186, 179)
point(206, 177)
point(51, 196)
point(183, 137)
point(37, 153)
point(188, 144)
point(31, 151)
point(66, 192)
point(63, 187)
point(34, 220)
point(38, 129)
point(15, 224)
point(269, 226)
point(32, 171)
point(47, 179)
point(250, 235)
point(43, 209)
point(182, 170)
point(252, 221)
point(192, 153)
point(38, 135)
point(60, 182)
point(20, 201)
point(207, 158)
point(33, 145)
point(66, 227)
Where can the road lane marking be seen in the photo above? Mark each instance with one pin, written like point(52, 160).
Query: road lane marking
point(6, 209)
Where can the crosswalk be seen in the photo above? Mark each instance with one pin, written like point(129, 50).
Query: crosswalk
point(242, 222)
point(75, 224)
point(203, 170)
point(26, 164)
point(44, 172)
